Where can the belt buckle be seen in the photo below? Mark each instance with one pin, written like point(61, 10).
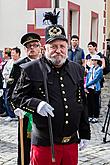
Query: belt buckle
point(66, 139)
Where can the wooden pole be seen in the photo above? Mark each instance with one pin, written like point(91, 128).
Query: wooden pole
point(21, 140)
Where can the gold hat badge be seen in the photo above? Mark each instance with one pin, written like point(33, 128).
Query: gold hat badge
point(55, 31)
point(30, 38)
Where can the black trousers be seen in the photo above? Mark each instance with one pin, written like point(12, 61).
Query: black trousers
point(93, 103)
point(1, 105)
point(27, 143)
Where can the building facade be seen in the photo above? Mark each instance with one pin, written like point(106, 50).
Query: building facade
point(108, 18)
point(85, 18)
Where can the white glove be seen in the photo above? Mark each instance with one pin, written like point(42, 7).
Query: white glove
point(19, 112)
point(1, 92)
point(44, 109)
point(83, 144)
point(6, 77)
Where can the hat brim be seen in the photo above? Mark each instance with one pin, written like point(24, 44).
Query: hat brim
point(108, 39)
point(32, 40)
point(57, 38)
point(96, 59)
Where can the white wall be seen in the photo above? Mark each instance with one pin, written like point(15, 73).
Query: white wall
point(13, 22)
point(86, 6)
point(85, 20)
point(14, 18)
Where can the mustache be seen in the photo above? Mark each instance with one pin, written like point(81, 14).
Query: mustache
point(57, 54)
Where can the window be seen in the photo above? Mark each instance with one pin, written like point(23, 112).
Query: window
point(94, 26)
point(74, 19)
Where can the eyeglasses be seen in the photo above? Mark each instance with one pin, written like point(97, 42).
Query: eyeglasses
point(29, 46)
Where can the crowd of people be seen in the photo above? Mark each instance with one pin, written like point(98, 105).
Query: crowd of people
point(10, 56)
point(56, 87)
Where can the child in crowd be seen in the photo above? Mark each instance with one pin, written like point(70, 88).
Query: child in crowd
point(93, 88)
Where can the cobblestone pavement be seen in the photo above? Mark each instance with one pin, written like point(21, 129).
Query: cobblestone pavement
point(96, 153)
point(8, 142)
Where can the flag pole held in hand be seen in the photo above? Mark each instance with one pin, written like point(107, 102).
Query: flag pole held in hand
point(21, 140)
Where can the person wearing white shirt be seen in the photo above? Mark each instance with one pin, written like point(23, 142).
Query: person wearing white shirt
point(15, 55)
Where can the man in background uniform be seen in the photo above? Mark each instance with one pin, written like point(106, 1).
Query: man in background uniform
point(31, 43)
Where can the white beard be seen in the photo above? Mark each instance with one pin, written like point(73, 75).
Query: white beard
point(56, 62)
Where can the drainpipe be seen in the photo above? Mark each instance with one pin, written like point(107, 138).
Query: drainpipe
point(56, 3)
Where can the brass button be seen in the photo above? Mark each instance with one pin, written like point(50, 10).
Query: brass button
point(66, 121)
point(67, 114)
point(63, 92)
point(61, 78)
point(62, 85)
point(66, 106)
point(65, 99)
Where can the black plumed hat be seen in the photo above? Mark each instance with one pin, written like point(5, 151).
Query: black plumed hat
point(54, 31)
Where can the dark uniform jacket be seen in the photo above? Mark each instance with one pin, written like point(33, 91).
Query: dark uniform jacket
point(15, 74)
point(66, 95)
